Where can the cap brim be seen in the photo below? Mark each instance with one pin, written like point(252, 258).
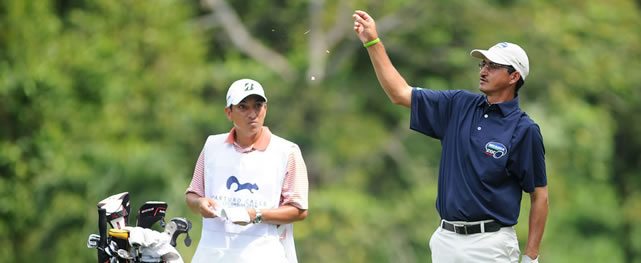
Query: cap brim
point(241, 99)
point(491, 56)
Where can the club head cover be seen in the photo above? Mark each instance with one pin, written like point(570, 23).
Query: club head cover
point(117, 209)
point(150, 213)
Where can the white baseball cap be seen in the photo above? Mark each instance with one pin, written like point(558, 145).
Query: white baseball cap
point(242, 88)
point(507, 54)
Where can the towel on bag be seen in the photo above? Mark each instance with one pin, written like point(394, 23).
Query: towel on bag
point(153, 244)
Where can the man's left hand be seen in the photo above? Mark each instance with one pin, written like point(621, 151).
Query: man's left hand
point(364, 26)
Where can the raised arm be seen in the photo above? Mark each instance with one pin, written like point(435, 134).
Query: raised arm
point(396, 88)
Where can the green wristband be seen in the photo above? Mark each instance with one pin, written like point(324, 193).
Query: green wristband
point(371, 43)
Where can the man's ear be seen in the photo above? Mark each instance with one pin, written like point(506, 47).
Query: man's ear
point(514, 77)
point(228, 112)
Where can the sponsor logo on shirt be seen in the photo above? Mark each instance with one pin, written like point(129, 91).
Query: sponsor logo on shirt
point(495, 149)
point(232, 180)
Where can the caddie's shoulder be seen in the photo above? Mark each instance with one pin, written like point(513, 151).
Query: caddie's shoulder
point(283, 144)
point(277, 140)
point(216, 138)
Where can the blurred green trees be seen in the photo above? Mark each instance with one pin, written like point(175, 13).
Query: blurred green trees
point(101, 97)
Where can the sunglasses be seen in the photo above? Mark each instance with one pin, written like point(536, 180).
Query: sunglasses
point(494, 66)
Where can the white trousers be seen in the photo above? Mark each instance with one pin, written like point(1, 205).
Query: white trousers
point(450, 247)
point(255, 249)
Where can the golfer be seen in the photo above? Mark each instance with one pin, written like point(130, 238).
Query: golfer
point(492, 151)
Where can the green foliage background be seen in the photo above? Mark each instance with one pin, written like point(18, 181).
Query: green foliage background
point(101, 97)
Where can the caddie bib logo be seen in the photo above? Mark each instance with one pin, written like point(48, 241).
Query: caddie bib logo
point(232, 180)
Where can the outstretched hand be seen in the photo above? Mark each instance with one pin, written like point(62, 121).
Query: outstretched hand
point(364, 26)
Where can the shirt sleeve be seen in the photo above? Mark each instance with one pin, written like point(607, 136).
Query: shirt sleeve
point(528, 162)
point(430, 111)
point(295, 186)
point(197, 184)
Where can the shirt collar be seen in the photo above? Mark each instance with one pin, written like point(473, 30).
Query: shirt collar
point(260, 144)
point(505, 107)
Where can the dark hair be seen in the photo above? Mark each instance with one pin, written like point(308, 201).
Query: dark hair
point(260, 99)
point(519, 84)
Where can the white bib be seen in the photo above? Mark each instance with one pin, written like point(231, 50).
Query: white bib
point(251, 180)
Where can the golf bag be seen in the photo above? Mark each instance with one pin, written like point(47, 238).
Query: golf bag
point(133, 244)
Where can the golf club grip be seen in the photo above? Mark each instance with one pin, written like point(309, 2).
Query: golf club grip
point(102, 227)
point(174, 236)
point(102, 231)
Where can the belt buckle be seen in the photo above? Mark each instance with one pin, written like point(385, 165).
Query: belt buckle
point(461, 226)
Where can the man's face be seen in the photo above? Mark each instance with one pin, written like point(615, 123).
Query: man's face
point(248, 116)
point(495, 78)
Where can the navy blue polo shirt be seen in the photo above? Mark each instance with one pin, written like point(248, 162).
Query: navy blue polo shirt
point(490, 153)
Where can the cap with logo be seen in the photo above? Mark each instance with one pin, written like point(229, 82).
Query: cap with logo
point(507, 54)
point(242, 88)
